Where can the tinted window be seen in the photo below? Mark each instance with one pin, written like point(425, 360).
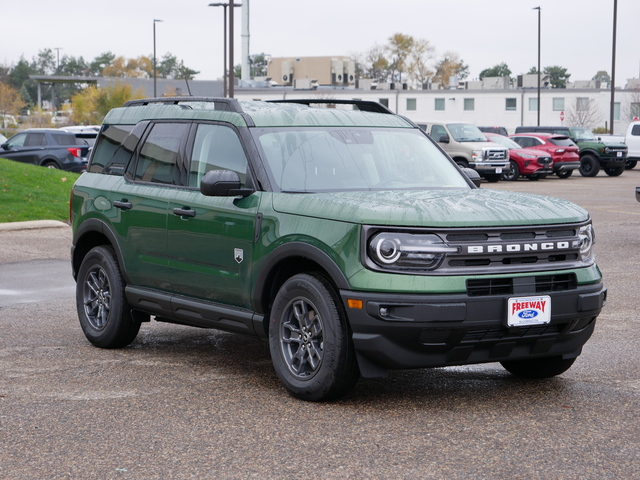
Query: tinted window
point(64, 139)
point(35, 140)
point(159, 157)
point(110, 140)
point(562, 142)
point(216, 148)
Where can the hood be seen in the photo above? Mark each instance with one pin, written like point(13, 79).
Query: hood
point(435, 208)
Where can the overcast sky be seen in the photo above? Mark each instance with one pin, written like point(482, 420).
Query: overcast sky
point(576, 34)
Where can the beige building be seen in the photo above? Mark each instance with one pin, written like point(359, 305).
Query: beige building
point(306, 72)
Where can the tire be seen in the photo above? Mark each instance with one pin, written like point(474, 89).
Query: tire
point(462, 163)
point(614, 171)
point(51, 164)
point(630, 164)
point(513, 173)
point(564, 173)
point(492, 177)
point(309, 340)
point(538, 367)
point(589, 166)
point(103, 310)
point(535, 178)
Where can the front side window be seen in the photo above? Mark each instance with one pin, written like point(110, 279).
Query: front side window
point(216, 147)
point(160, 154)
point(17, 140)
point(338, 159)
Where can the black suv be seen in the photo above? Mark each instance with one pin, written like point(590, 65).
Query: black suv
point(47, 147)
point(594, 154)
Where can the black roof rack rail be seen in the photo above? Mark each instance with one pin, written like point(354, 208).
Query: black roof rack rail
point(225, 104)
point(362, 105)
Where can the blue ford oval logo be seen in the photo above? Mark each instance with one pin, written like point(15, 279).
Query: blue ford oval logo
point(528, 314)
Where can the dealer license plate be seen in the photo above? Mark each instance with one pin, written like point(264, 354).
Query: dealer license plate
point(524, 311)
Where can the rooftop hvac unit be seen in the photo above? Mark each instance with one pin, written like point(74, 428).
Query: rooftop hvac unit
point(337, 72)
point(287, 72)
point(351, 73)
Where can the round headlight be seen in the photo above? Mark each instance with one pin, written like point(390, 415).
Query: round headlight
point(387, 249)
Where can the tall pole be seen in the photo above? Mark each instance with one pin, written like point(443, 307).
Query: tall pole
point(224, 64)
point(155, 91)
point(539, 72)
point(231, 48)
point(613, 66)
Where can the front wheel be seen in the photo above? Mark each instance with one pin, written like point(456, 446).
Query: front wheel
point(589, 166)
point(309, 340)
point(492, 177)
point(614, 171)
point(538, 367)
point(513, 173)
point(103, 310)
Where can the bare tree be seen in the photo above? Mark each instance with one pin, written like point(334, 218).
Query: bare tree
point(583, 112)
point(631, 110)
point(422, 56)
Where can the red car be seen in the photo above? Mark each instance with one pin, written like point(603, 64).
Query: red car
point(530, 163)
point(565, 153)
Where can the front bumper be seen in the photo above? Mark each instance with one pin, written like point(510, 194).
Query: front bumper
point(482, 167)
point(398, 331)
point(564, 166)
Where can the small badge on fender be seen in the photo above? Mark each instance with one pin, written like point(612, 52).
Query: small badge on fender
point(238, 254)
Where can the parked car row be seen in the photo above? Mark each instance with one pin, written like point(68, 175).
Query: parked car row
point(66, 148)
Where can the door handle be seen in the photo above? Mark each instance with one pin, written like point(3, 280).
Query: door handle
point(184, 212)
point(122, 205)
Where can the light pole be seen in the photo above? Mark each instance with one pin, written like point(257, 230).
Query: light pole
point(539, 73)
point(155, 92)
point(224, 68)
point(613, 66)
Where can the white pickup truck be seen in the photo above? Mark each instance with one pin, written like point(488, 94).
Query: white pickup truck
point(631, 139)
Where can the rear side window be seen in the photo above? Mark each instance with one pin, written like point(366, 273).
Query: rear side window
point(35, 140)
point(109, 156)
point(64, 139)
point(160, 158)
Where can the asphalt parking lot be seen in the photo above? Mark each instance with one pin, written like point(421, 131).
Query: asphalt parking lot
point(185, 403)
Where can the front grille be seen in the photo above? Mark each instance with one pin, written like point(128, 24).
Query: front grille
point(538, 284)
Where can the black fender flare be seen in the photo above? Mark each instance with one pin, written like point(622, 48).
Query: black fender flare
point(290, 250)
point(100, 226)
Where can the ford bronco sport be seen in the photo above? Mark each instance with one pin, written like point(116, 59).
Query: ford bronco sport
point(344, 236)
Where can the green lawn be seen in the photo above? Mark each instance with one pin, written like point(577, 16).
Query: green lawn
point(28, 192)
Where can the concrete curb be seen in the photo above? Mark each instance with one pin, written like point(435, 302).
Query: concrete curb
point(32, 225)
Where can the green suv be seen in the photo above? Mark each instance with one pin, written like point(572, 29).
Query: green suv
point(343, 236)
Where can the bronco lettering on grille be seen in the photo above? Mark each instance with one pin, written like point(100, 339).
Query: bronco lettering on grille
point(518, 247)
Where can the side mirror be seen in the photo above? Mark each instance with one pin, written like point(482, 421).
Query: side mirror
point(444, 139)
point(223, 183)
point(5, 146)
point(473, 176)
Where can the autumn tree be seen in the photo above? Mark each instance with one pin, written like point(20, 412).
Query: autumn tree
point(400, 48)
point(141, 67)
point(422, 56)
point(92, 104)
point(11, 102)
point(450, 65)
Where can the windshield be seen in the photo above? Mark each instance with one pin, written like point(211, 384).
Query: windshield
point(582, 134)
point(465, 132)
point(335, 159)
point(504, 141)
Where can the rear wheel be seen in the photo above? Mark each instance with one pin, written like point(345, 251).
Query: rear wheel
point(589, 166)
point(539, 367)
point(513, 173)
point(309, 340)
point(51, 164)
point(614, 171)
point(102, 307)
point(630, 164)
point(564, 173)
